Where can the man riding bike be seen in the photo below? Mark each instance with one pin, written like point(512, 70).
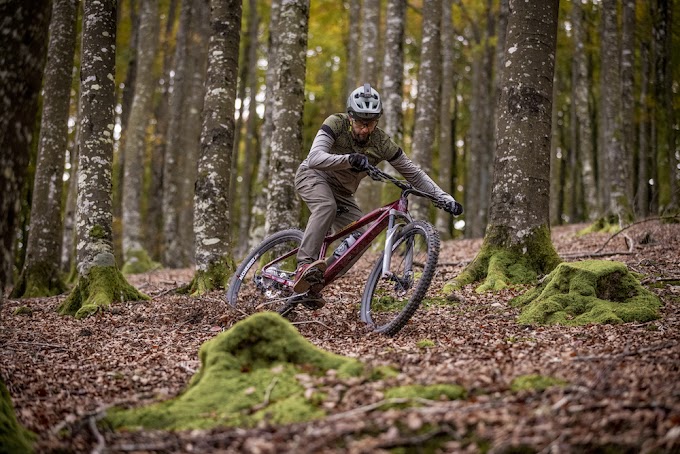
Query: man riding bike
point(330, 175)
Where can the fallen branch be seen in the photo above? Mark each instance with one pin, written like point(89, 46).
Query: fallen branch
point(37, 344)
point(631, 225)
point(101, 442)
point(268, 391)
point(305, 322)
point(650, 280)
point(578, 255)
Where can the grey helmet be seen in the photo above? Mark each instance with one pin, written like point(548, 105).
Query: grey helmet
point(364, 103)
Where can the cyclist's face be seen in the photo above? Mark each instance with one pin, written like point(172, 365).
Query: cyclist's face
point(362, 129)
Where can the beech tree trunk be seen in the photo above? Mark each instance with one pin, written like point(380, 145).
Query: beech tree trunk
point(517, 244)
point(99, 281)
point(41, 273)
point(428, 105)
point(393, 74)
point(214, 261)
point(23, 46)
point(136, 257)
point(283, 206)
point(257, 227)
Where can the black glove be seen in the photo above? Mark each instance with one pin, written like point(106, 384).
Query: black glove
point(453, 207)
point(359, 162)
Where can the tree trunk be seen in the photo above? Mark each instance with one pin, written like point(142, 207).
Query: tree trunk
point(257, 230)
point(136, 257)
point(214, 261)
point(393, 75)
point(41, 274)
point(517, 244)
point(250, 154)
point(584, 146)
point(368, 197)
point(353, 77)
point(283, 206)
point(99, 281)
point(642, 198)
point(23, 46)
point(617, 164)
point(627, 97)
point(428, 105)
point(446, 146)
point(190, 142)
point(154, 224)
point(173, 256)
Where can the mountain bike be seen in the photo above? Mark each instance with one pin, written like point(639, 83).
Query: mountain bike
point(395, 287)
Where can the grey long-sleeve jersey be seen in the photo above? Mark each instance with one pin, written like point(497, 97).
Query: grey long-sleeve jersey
point(334, 143)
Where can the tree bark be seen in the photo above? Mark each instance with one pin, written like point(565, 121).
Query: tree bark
point(257, 229)
point(214, 261)
point(353, 77)
point(446, 146)
point(23, 47)
point(428, 106)
point(283, 206)
point(617, 164)
point(393, 74)
point(586, 153)
point(517, 244)
point(135, 255)
point(173, 256)
point(99, 280)
point(642, 198)
point(41, 273)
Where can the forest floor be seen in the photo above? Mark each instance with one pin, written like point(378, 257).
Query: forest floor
point(622, 387)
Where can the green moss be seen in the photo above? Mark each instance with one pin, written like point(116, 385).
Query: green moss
point(98, 232)
point(534, 382)
point(102, 286)
point(383, 372)
point(13, 437)
point(430, 392)
point(606, 224)
point(23, 310)
point(592, 291)
point(138, 261)
point(39, 279)
point(425, 343)
point(248, 374)
point(216, 277)
point(500, 264)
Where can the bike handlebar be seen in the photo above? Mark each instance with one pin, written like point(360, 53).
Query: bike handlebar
point(406, 187)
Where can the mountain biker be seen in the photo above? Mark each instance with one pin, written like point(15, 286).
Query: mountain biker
point(328, 179)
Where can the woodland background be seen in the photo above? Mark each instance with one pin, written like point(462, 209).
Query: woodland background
point(159, 184)
point(625, 68)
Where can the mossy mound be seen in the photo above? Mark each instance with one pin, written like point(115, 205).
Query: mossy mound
point(442, 391)
point(138, 261)
point(592, 291)
point(40, 279)
point(248, 374)
point(215, 277)
point(500, 264)
point(607, 224)
point(535, 382)
point(102, 286)
point(13, 437)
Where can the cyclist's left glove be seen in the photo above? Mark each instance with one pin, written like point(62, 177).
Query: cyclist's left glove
point(450, 205)
point(359, 162)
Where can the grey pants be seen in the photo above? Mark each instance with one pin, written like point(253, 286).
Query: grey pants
point(329, 210)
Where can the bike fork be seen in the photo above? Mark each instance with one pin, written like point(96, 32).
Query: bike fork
point(392, 230)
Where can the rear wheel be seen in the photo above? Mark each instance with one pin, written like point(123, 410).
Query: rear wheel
point(263, 280)
point(389, 302)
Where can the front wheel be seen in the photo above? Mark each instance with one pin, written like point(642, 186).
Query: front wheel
point(389, 302)
point(263, 280)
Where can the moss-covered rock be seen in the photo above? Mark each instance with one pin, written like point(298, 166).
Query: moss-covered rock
point(97, 290)
point(248, 374)
point(605, 224)
point(500, 263)
point(138, 261)
point(534, 382)
point(592, 291)
point(39, 279)
point(14, 439)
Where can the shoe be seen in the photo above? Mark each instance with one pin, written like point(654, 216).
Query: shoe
point(309, 275)
point(312, 301)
